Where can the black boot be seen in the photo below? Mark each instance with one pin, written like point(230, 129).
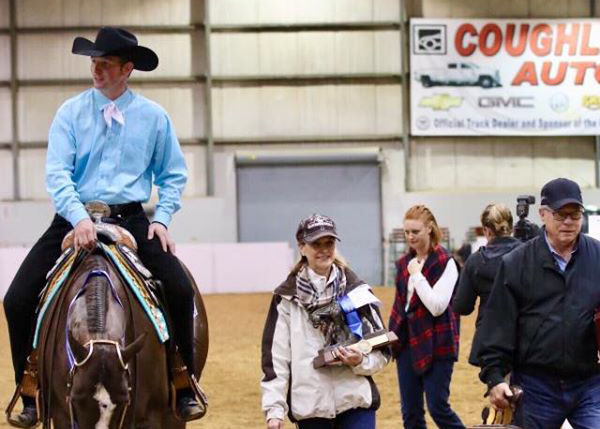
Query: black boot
point(28, 417)
point(188, 407)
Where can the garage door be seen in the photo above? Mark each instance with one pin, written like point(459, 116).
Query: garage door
point(274, 196)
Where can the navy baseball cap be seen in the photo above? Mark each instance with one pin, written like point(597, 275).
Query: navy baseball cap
point(314, 227)
point(559, 192)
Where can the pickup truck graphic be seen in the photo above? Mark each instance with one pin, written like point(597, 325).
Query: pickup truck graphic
point(459, 74)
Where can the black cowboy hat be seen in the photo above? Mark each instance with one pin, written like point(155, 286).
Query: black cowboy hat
point(118, 42)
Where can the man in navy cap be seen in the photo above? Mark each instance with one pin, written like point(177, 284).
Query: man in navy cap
point(110, 144)
point(539, 320)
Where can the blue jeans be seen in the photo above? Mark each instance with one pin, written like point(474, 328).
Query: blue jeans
point(356, 418)
point(435, 385)
point(549, 399)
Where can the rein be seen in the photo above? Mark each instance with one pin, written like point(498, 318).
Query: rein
point(72, 361)
point(53, 319)
point(77, 365)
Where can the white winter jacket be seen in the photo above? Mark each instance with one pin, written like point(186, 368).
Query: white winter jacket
point(289, 345)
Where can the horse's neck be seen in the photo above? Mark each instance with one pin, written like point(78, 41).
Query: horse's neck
point(97, 313)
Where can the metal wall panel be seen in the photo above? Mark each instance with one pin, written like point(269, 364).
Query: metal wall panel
point(32, 174)
point(5, 116)
point(387, 52)
point(37, 107)
point(310, 53)
point(348, 109)
point(277, 53)
point(234, 54)
point(494, 163)
point(41, 13)
point(388, 107)
point(506, 9)
point(316, 52)
point(233, 12)
point(306, 11)
point(195, 159)
point(6, 175)
point(318, 112)
point(48, 56)
point(512, 166)
point(273, 199)
point(182, 103)
point(4, 14)
point(174, 52)
point(571, 157)
point(236, 111)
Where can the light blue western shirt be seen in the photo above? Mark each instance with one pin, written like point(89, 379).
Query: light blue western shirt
point(87, 160)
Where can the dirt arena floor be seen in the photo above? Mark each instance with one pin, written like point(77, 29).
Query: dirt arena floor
point(232, 374)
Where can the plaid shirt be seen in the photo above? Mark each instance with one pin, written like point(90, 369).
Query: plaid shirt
point(429, 337)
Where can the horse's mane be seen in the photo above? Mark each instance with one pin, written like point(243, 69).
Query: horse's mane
point(97, 295)
point(96, 303)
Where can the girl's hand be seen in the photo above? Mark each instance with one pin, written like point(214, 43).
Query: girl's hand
point(415, 266)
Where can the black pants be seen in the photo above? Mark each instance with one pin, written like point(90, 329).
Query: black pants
point(21, 299)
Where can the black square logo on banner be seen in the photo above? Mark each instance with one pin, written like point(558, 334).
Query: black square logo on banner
point(429, 39)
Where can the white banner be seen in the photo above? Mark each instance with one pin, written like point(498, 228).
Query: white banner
point(505, 77)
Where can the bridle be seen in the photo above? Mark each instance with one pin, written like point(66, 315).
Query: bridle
point(76, 365)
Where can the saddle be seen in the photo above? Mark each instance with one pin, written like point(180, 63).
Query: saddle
point(107, 232)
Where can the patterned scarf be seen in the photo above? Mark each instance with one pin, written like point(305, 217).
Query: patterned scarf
point(311, 298)
point(308, 294)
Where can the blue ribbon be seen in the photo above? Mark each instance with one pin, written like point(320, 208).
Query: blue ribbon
point(351, 316)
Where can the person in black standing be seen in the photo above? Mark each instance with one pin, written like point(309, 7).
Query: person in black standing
point(539, 319)
point(477, 277)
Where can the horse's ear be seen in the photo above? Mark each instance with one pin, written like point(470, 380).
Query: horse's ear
point(133, 348)
point(79, 351)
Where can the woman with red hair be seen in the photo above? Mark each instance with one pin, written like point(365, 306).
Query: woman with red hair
point(427, 327)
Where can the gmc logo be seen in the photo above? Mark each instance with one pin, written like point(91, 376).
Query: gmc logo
point(517, 102)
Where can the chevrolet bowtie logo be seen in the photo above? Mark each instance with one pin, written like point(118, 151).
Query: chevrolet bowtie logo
point(441, 102)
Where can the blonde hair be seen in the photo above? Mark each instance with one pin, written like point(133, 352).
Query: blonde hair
point(498, 218)
point(338, 260)
point(422, 213)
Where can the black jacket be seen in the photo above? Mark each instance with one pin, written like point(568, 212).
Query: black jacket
point(476, 280)
point(541, 319)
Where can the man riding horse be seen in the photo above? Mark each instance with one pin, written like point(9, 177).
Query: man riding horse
point(109, 143)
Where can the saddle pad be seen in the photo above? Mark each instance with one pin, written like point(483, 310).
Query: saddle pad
point(132, 279)
point(138, 287)
point(56, 278)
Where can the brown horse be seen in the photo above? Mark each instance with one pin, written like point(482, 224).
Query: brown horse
point(101, 362)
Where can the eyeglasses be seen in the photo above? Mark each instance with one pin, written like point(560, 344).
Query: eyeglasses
point(562, 216)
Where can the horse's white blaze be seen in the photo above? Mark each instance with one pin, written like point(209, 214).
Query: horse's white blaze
point(105, 405)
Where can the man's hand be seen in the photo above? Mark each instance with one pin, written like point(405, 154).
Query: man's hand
point(415, 266)
point(161, 232)
point(499, 396)
point(85, 235)
point(274, 424)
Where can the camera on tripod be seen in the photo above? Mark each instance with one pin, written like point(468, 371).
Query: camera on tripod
point(524, 229)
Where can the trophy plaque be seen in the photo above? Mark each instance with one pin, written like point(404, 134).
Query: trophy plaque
point(368, 343)
point(349, 321)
